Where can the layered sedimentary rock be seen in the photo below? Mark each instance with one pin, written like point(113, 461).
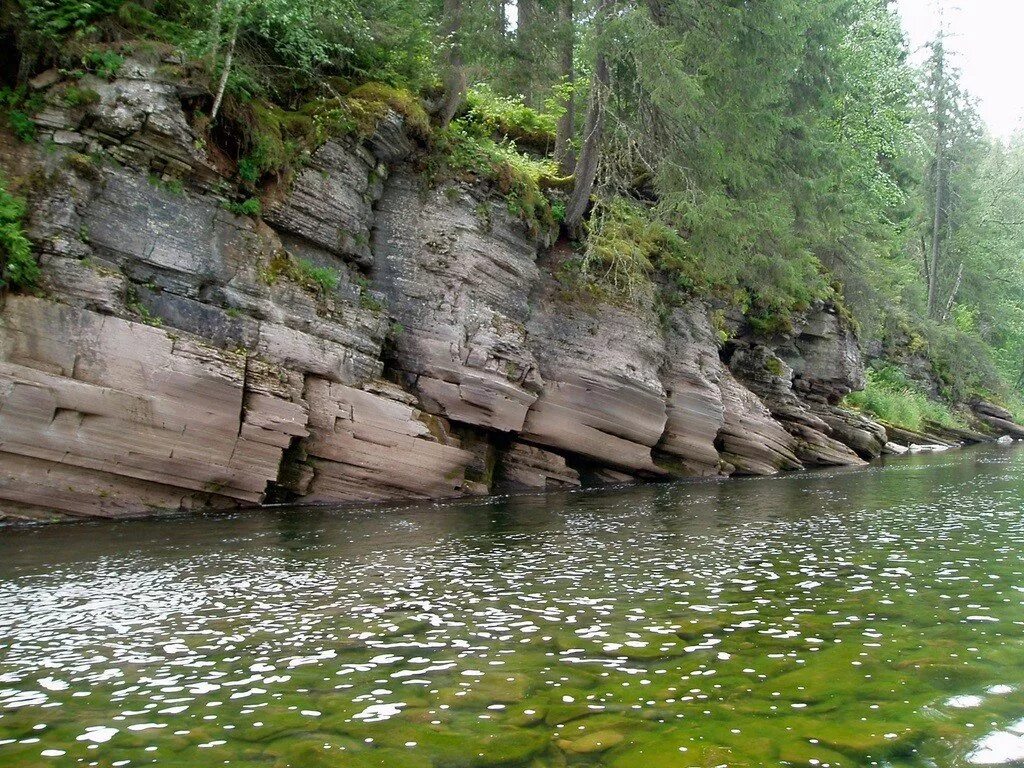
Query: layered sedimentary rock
point(819, 364)
point(998, 418)
point(750, 440)
point(330, 202)
point(527, 467)
point(373, 443)
point(457, 271)
point(87, 400)
point(602, 395)
point(369, 337)
point(824, 356)
point(695, 411)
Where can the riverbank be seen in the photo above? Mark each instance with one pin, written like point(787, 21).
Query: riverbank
point(368, 332)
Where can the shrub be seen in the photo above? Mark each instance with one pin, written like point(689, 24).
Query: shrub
point(80, 97)
point(18, 268)
point(509, 118)
point(18, 106)
point(324, 278)
point(463, 150)
point(105, 64)
point(319, 279)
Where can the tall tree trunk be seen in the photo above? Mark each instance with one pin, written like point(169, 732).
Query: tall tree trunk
point(455, 74)
point(940, 131)
point(590, 151)
point(215, 21)
point(228, 60)
point(564, 155)
point(953, 293)
point(526, 32)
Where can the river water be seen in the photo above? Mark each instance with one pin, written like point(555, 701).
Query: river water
point(869, 617)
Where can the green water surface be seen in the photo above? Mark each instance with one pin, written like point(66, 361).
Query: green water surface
point(845, 618)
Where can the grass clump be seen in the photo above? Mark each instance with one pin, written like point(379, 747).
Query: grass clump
point(249, 207)
point(892, 398)
point(320, 280)
point(465, 150)
point(18, 268)
point(75, 96)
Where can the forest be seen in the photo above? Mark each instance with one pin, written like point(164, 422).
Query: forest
point(765, 155)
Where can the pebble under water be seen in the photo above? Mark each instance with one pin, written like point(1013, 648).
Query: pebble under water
point(845, 618)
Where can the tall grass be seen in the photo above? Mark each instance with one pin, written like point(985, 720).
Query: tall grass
point(890, 397)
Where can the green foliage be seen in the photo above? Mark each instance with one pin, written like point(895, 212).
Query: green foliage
point(18, 268)
point(466, 150)
point(370, 102)
point(18, 108)
point(321, 280)
point(622, 246)
point(890, 397)
point(56, 19)
point(248, 207)
point(170, 185)
point(105, 63)
point(75, 96)
point(324, 278)
point(507, 117)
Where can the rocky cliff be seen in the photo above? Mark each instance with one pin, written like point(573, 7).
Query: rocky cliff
point(180, 356)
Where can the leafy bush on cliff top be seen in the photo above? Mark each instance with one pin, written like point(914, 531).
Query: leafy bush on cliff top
point(467, 150)
point(509, 117)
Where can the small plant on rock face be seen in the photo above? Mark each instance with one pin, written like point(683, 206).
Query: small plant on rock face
point(105, 64)
point(18, 268)
point(250, 207)
point(18, 107)
point(325, 278)
point(80, 97)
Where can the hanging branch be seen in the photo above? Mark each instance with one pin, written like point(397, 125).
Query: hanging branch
point(228, 59)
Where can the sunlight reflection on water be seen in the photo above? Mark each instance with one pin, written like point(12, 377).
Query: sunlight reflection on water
point(835, 618)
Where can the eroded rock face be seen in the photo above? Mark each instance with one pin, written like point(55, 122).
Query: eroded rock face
point(330, 202)
point(98, 399)
point(373, 443)
point(694, 408)
point(999, 419)
point(457, 273)
point(602, 396)
point(825, 357)
point(750, 440)
point(772, 378)
point(494, 378)
point(527, 467)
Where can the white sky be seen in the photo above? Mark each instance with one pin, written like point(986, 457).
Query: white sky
point(987, 37)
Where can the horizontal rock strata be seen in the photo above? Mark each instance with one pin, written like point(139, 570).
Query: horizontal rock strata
point(102, 398)
point(368, 337)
